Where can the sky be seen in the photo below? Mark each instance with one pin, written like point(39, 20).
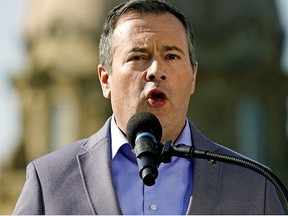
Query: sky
point(12, 61)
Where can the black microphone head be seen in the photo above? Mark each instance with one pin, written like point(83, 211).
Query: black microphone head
point(143, 122)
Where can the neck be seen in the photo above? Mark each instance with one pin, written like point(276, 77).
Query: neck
point(172, 133)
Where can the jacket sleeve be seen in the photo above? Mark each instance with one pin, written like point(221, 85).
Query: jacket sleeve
point(272, 203)
point(30, 201)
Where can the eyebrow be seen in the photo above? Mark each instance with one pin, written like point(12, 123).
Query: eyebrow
point(171, 48)
point(163, 48)
point(138, 49)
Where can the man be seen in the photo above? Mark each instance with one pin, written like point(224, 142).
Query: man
point(147, 63)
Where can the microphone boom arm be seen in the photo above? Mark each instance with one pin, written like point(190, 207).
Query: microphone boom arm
point(189, 152)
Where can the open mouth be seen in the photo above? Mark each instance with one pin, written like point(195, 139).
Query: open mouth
point(157, 98)
point(158, 95)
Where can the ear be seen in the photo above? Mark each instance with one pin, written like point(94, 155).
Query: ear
point(104, 78)
point(195, 68)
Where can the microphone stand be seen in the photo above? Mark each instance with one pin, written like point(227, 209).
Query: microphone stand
point(189, 152)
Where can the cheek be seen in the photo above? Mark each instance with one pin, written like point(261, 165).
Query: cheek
point(125, 87)
point(127, 83)
point(185, 86)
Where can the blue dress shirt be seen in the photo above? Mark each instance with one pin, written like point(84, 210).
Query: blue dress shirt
point(172, 190)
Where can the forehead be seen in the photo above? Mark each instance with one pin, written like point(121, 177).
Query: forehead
point(165, 27)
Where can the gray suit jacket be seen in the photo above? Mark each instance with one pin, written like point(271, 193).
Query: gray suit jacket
point(77, 180)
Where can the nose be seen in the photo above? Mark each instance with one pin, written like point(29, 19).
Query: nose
point(156, 72)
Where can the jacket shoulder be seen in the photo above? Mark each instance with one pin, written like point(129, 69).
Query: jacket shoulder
point(63, 154)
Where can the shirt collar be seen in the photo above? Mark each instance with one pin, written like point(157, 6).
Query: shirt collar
point(185, 136)
point(118, 138)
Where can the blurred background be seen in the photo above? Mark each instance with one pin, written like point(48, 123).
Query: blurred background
point(50, 95)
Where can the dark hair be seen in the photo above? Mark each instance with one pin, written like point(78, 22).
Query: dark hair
point(157, 7)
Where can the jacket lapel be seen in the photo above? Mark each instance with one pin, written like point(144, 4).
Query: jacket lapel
point(95, 168)
point(206, 179)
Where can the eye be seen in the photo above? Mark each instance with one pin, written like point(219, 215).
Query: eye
point(172, 57)
point(137, 58)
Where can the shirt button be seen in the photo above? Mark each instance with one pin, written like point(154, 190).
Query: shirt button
point(153, 207)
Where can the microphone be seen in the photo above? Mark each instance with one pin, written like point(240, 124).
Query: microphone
point(144, 132)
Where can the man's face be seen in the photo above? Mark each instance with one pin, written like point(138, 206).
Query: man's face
point(151, 71)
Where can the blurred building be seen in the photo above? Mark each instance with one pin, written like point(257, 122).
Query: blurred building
point(240, 98)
